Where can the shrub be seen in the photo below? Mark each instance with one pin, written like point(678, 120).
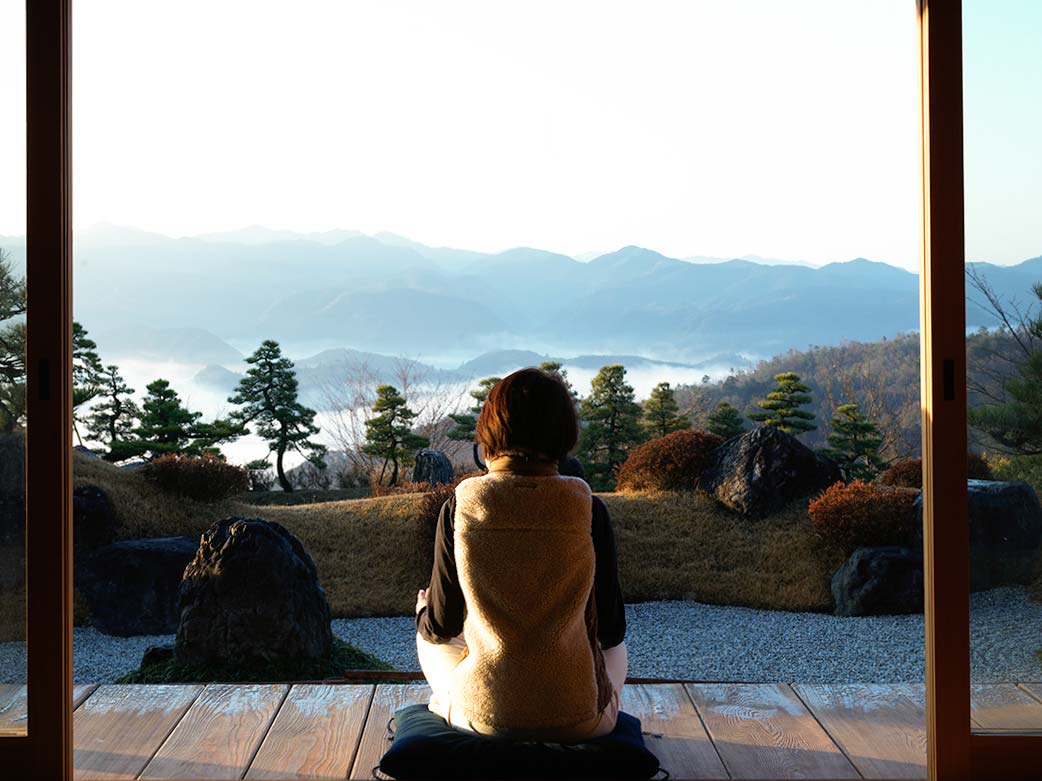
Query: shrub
point(674, 462)
point(863, 514)
point(206, 478)
point(1019, 469)
point(908, 472)
point(261, 475)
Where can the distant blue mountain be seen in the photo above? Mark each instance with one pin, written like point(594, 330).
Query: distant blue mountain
point(392, 295)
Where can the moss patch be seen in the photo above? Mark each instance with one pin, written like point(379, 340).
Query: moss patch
point(344, 657)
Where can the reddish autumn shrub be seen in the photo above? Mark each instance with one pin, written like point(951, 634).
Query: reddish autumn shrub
point(908, 472)
point(674, 462)
point(205, 478)
point(859, 514)
point(905, 473)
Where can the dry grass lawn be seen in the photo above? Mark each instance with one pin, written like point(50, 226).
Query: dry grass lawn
point(671, 545)
point(370, 561)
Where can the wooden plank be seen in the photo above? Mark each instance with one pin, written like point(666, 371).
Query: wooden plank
point(315, 734)
point(80, 692)
point(13, 704)
point(1034, 689)
point(765, 731)
point(119, 729)
point(386, 700)
point(672, 730)
point(1004, 706)
point(12, 708)
point(880, 727)
point(221, 732)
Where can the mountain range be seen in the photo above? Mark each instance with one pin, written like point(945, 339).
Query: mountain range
point(388, 294)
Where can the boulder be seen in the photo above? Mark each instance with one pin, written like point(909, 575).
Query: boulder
point(879, 581)
point(760, 471)
point(251, 592)
point(432, 467)
point(93, 519)
point(131, 587)
point(1005, 533)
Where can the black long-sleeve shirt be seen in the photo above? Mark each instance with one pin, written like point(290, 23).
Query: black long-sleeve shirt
point(442, 619)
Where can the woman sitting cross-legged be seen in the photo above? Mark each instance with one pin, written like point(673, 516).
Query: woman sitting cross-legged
point(521, 630)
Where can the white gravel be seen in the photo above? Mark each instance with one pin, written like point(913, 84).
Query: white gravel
point(689, 640)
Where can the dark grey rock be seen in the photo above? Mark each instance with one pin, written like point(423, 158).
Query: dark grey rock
point(1005, 533)
point(93, 519)
point(879, 581)
point(157, 654)
point(131, 587)
point(251, 592)
point(432, 467)
point(760, 471)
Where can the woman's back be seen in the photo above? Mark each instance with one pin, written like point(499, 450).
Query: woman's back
point(525, 560)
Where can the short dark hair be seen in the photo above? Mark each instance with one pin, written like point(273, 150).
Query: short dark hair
point(530, 411)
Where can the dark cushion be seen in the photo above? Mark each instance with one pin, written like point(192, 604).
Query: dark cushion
point(425, 746)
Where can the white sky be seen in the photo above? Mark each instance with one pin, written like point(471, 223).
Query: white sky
point(785, 129)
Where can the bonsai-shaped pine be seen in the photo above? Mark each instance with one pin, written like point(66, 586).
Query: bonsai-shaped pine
point(112, 418)
point(1016, 422)
point(781, 408)
point(165, 426)
point(388, 433)
point(12, 346)
point(87, 374)
point(725, 421)
point(467, 422)
point(267, 397)
point(612, 419)
point(662, 413)
point(854, 444)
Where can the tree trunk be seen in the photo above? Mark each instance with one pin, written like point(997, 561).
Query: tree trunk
point(287, 486)
point(394, 470)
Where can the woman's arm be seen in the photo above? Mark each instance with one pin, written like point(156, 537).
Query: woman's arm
point(442, 618)
point(611, 613)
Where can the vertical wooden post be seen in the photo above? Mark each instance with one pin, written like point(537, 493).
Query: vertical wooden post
point(49, 389)
point(943, 377)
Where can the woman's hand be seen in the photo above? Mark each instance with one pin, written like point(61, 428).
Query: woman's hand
point(421, 599)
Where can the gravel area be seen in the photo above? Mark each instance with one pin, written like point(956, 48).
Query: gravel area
point(690, 640)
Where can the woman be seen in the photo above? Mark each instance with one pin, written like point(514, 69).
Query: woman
point(521, 630)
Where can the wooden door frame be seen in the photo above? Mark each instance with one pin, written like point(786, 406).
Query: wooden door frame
point(46, 751)
point(955, 751)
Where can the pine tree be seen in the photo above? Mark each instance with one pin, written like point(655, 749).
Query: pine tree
point(725, 421)
point(388, 433)
point(662, 413)
point(12, 346)
point(467, 422)
point(612, 426)
point(782, 406)
point(166, 425)
point(267, 396)
point(1016, 423)
point(112, 418)
point(87, 374)
point(854, 444)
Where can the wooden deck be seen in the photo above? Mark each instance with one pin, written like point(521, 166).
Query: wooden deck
point(324, 731)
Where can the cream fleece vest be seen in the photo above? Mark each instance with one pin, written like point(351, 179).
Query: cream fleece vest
point(525, 560)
